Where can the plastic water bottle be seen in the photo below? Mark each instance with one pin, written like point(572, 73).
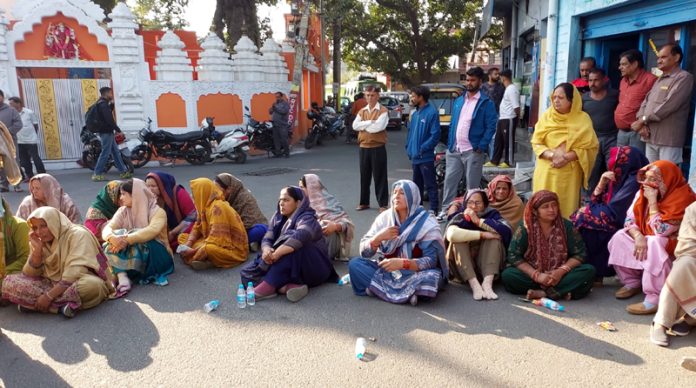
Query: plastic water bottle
point(211, 306)
point(250, 295)
point(241, 297)
point(396, 274)
point(360, 348)
point(345, 279)
point(549, 304)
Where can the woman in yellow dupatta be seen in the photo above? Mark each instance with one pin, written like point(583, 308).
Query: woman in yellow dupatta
point(566, 147)
point(218, 237)
point(66, 271)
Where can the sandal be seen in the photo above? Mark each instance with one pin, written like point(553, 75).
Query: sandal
point(122, 289)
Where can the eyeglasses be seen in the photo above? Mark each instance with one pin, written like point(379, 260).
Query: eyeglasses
point(475, 203)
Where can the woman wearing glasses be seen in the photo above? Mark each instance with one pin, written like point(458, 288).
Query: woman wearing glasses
point(478, 237)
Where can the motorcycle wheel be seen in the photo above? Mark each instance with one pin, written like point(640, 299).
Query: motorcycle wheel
point(128, 162)
point(238, 156)
point(140, 155)
point(90, 161)
point(311, 139)
point(198, 154)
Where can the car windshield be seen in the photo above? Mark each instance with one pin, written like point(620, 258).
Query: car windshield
point(443, 100)
point(388, 101)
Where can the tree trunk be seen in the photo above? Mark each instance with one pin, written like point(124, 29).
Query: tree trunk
point(236, 18)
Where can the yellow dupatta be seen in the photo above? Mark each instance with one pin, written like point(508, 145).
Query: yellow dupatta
point(218, 223)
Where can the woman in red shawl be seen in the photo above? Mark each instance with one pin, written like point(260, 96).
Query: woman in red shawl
point(643, 251)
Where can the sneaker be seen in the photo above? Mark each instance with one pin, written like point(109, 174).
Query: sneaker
point(126, 175)
point(442, 216)
point(490, 164)
point(66, 311)
point(504, 165)
point(98, 178)
point(680, 329)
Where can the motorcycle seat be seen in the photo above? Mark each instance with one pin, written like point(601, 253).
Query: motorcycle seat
point(188, 136)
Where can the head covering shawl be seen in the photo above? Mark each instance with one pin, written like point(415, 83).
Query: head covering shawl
point(544, 253)
point(55, 198)
point(326, 205)
point(143, 208)
point(219, 223)
point(242, 201)
point(491, 217)
point(168, 190)
point(107, 202)
point(512, 207)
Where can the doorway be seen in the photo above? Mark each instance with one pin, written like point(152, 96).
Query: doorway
point(611, 52)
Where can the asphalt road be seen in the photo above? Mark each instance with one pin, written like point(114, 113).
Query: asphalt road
point(162, 337)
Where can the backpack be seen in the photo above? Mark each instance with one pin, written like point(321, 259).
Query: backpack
point(92, 121)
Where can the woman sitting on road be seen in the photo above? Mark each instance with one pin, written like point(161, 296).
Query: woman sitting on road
point(136, 238)
point(478, 237)
point(66, 270)
point(502, 197)
point(46, 191)
point(643, 251)
point(244, 203)
point(547, 254)
point(605, 214)
point(14, 242)
point(335, 223)
point(176, 201)
point(218, 238)
point(293, 252)
point(103, 208)
point(403, 254)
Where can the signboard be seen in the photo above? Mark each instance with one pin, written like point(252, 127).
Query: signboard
point(486, 18)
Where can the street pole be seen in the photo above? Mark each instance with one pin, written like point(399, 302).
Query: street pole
point(300, 48)
point(323, 49)
point(337, 62)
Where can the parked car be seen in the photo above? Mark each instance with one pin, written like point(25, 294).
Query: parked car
point(404, 99)
point(442, 97)
point(394, 108)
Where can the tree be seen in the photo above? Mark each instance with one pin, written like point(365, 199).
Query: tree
point(106, 5)
point(161, 14)
point(233, 18)
point(410, 40)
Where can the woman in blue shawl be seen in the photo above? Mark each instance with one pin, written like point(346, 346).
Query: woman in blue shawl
point(293, 252)
point(403, 254)
point(478, 237)
point(176, 202)
point(605, 214)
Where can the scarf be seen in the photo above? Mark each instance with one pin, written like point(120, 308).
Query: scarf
point(327, 206)
point(674, 196)
point(219, 223)
point(8, 156)
point(284, 227)
point(418, 227)
point(143, 208)
point(544, 253)
point(574, 129)
point(490, 216)
point(511, 208)
point(107, 202)
point(608, 212)
point(72, 249)
point(242, 201)
point(169, 192)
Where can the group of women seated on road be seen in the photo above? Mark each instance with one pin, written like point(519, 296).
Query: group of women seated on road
point(639, 222)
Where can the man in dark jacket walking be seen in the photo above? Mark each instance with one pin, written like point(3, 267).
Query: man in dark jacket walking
point(423, 135)
point(279, 115)
point(105, 130)
point(472, 127)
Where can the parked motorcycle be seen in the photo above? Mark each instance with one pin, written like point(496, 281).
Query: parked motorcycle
point(261, 134)
point(92, 148)
point(194, 146)
point(232, 145)
point(325, 122)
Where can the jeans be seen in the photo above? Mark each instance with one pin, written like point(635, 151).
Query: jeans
point(467, 163)
point(630, 138)
point(27, 153)
point(109, 148)
point(424, 178)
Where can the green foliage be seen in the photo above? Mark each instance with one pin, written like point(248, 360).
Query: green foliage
point(161, 14)
point(106, 5)
point(234, 17)
point(408, 39)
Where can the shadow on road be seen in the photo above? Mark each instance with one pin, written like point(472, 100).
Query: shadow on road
point(20, 370)
point(118, 330)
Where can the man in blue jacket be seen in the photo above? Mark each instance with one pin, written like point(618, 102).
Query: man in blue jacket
point(423, 135)
point(472, 127)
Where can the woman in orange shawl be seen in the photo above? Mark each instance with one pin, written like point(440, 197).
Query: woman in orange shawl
point(643, 251)
point(504, 198)
point(218, 237)
point(46, 191)
point(566, 147)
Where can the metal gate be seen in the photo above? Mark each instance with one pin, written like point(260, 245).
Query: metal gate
point(60, 105)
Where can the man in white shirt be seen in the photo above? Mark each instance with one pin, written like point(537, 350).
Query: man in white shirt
point(27, 139)
point(371, 124)
point(507, 123)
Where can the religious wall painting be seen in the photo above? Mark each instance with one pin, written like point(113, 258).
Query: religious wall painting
point(60, 42)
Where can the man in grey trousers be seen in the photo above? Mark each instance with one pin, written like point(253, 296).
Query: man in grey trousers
point(279, 115)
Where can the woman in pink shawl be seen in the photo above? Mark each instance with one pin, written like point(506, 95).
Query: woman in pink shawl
point(137, 244)
point(46, 191)
point(337, 227)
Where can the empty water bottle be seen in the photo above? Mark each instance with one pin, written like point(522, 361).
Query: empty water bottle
point(360, 348)
point(250, 295)
point(241, 297)
point(211, 306)
point(345, 279)
point(549, 304)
